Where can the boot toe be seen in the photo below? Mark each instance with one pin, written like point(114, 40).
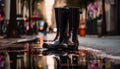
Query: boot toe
point(45, 45)
point(63, 45)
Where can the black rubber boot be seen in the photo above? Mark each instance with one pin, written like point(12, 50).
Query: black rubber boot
point(61, 20)
point(56, 39)
point(74, 20)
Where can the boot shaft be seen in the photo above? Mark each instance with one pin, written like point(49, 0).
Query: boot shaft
point(68, 16)
point(74, 15)
point(57, 16)
point(61, 17)
point(74, 20)
point(63, 24)
point(60, 14)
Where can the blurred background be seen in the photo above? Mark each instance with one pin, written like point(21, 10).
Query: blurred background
point(99, 17)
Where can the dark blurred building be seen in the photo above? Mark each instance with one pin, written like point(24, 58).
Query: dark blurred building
point(112, 13)
point(2, 15)
point(118, 16)
point(1, 4)
point(113, 17)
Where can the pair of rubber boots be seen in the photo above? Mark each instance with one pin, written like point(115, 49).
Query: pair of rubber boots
point(67, 23)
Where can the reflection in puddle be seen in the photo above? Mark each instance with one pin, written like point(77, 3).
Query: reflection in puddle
point(81, 59)
point(36, 58)
point(50, 62)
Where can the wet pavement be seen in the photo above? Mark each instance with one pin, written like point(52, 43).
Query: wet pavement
point(30, 55)
point(39, 58)
point(107, 44)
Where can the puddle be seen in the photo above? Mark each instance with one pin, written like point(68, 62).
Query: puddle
point(33, 57)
